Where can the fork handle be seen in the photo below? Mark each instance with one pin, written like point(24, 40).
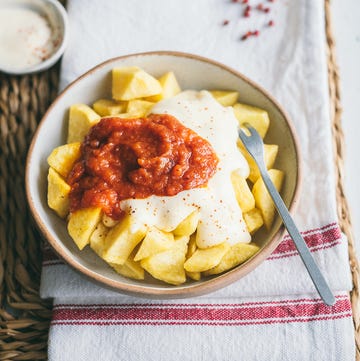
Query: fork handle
point(309, 262)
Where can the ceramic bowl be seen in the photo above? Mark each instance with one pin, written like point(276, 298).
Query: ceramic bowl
point(56, 16)
point(193, 72)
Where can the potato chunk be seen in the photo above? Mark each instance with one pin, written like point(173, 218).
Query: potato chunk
point(270, 154)
point(97, 238)
point(253, 220)
point(130, 268)
point(188, 225)
point(168, 266)
point(139, 107)
point(263, 200)
point(122, 239)
point(62, 158)
point(170, 87)
point(225, 97)
point(108, 221)
point(190, 251)
point(82, 224)
point(58, 193)
point(108, 107)
point(256, 117)
point(81, 119)
point(123, 116)
point(204, 259)
point(242, 191)
point(155, 241)
point(237, 254)
point(132, 82)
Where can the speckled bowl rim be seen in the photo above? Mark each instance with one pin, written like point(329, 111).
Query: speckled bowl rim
point(208, 285)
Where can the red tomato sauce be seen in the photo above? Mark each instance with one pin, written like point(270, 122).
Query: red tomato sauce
point(136, 158)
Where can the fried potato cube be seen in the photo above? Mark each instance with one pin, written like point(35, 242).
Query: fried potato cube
point(256, 117)
point(190, 251)
point(237, 254)
point(58, 193)
point(204, 259)
point(82, 224)
point(170, 87)
point(97, 238)
point(188, 225)
point(155, 241)
point(168, 266)
point(253, 220)
point(270, 154)
point(81, 119)
point(242, 191)
point(62, 158)
point(196, 276)
point(192, 247)
point(132, 82)
point(108, 221)
point(139, 107)
point(225, 97)
point(130, 268)
point(181, 243)
point(108, 107)
point(122, 239)
point(124, 116)
point(263, 200)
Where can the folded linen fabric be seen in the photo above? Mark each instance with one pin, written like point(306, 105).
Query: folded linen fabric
point(273, 312)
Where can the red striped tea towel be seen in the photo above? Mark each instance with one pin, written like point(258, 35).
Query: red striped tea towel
point(273, 313)
point(291, 328)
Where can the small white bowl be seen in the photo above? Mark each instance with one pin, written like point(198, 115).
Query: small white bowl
point(193, 72)
point(57, 17)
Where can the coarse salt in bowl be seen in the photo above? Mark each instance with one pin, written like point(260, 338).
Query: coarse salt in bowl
point(33, 35)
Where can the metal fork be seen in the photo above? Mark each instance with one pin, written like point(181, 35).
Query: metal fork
point(255, 146)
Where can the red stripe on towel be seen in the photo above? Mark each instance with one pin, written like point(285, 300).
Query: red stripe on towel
point(287, 311)
point(316, 239)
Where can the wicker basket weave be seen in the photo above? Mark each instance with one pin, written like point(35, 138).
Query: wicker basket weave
point(23, 101)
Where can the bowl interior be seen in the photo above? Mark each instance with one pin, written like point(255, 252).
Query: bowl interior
point(193, 73)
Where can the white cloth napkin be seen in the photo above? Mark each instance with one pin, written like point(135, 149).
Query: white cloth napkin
point(273, 313)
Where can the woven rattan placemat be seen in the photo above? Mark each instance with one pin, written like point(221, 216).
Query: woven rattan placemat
point(23, 101)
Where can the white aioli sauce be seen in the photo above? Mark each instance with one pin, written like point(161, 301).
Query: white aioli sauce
point(26, 38)
point(220, 216)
